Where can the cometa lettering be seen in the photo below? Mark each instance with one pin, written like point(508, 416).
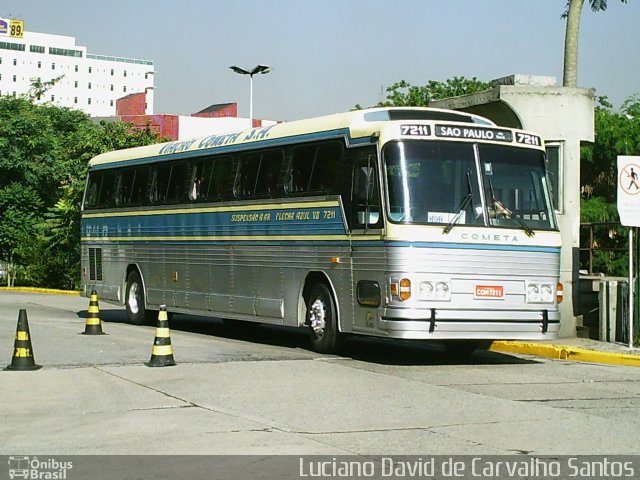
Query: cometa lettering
point(490, 237)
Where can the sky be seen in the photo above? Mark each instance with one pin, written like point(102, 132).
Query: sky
point(329, 55)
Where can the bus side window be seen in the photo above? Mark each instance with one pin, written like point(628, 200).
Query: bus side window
point(269, 173)
point(107, 194)
point(139, 189)
point(366, 194)
point(177, 182)
point(325, 168)
point(160, 179)
point(125, 187)
point(221, 184)
point(93, 188)
point(302, 160)
point(245, 184)
point(197, 186)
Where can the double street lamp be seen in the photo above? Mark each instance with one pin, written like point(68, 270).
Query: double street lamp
point(261, 69)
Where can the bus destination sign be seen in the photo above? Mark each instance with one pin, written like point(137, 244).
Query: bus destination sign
point(474, 133)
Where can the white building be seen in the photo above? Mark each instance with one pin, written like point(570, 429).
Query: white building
point(87, 82)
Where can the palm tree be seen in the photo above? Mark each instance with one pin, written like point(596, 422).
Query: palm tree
point(572, 13)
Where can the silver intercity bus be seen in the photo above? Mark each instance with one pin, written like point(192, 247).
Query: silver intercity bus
point(408, 223)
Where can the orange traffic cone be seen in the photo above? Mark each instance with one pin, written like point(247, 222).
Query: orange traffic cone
point(22, 352)
point(162, 353)
point(93, 325)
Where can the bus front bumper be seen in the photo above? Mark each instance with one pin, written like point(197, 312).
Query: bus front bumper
point(435, 324)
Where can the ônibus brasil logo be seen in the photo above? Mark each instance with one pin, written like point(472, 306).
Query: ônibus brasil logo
point(33, 468)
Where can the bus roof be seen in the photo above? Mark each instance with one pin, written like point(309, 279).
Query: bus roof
point(357, 124)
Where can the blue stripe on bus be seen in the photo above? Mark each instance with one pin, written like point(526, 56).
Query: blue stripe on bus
point(338, 241)
point(298, 221)
point(474, 246)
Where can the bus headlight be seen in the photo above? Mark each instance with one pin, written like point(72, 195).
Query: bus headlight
point(435, 290)
point(426, 290)
point(540, 293)
point(443, 292)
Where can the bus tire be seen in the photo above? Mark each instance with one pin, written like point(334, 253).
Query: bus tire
point(322, 318)
point(134, 300)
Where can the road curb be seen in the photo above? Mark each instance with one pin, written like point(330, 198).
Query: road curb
point(52, 291)
point(566, 352)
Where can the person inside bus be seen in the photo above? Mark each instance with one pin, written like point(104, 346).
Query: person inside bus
point(196, 188)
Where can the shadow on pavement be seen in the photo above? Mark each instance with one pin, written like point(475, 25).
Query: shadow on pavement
point(365, 349)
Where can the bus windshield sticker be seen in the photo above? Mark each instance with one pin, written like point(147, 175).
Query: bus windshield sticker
point(475, 133)
point(417, 130)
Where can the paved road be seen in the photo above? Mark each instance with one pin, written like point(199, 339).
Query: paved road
point(262, 391)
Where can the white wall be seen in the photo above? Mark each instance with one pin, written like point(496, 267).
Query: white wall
point(89, 84)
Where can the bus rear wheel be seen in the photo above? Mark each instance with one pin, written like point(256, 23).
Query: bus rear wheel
point(323, 320)
point(134, 300)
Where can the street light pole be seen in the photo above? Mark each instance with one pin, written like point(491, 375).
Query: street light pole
point(261, 69)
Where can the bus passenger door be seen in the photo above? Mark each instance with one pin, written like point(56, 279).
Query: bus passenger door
point(367, 246)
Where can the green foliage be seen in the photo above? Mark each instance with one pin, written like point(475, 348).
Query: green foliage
point(402, 93)
point(44, 151)
point(617, 133)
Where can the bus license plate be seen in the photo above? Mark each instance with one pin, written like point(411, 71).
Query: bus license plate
point(489, 292)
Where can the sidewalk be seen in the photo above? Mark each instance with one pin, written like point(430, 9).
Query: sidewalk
point(573, 348)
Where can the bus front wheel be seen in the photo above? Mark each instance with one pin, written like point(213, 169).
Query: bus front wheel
point(323, 320)
point(134, 300)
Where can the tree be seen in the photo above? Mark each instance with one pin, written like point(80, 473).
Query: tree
point(403, 94)
point(617, 133)
point(44, 151)
point(572, 14)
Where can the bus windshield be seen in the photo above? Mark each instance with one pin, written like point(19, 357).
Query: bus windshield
point(438, 183)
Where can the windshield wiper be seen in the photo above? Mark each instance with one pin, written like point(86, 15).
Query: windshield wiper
point(499, 208)
point(463, 204)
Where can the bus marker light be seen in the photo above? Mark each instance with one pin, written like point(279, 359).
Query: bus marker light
point(336, 260)
point(393, 288)
point(405, 289)
point(559, 292)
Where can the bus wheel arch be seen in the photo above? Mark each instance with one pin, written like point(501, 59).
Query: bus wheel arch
point(321, 315)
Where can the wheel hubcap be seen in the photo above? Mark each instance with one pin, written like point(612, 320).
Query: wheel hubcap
point(134, 298)
point(317, 317)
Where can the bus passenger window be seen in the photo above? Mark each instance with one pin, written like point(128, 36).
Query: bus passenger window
point(326, 167)
point(139, 189)
point(366, 194)
point(177, 182)
point(267, 179)
point(247, 175)
point(221, 178)
point(124, 188)
point(106, 196)
point(300, 171)
point(91, 198)
point(159, 181)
